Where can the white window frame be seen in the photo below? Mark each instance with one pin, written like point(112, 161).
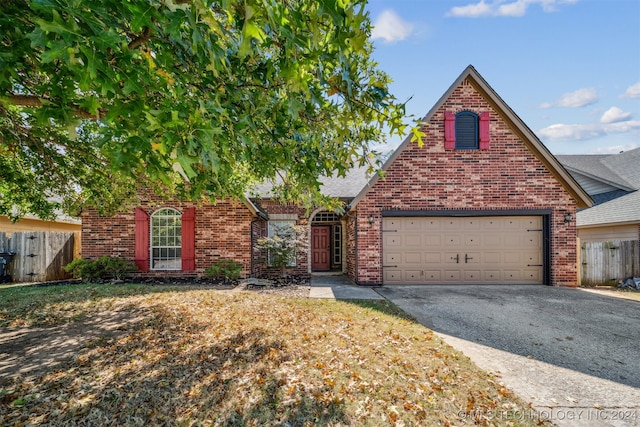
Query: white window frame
point(337, 244)
point(171, 240)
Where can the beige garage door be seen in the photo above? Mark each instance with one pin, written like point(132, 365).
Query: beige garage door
point(469, 250)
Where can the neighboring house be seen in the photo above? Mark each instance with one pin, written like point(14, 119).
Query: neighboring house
point(613, 182)
point(61, 224)
point(481, 201)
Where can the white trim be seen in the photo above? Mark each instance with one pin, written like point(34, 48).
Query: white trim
point(151, 245)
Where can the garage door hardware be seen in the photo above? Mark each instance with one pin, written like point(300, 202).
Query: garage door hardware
point(389, 231)
point(467, 258)
point(389, 266)
point(457, 258)
point(535, 229)
point(535, 265)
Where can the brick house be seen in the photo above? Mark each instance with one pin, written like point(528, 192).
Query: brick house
point(480, 201)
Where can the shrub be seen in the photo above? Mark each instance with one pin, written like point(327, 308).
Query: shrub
point(103, 268)
point(224, 269)
point(283, 246)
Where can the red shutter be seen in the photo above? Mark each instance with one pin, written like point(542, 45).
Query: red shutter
point(449, 131)
point(142, 240)
point(485, 136)
point(189, 239)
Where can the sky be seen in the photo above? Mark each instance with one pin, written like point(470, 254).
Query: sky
point(570, 69)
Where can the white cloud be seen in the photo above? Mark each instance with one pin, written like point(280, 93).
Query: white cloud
point(514, 8)
point(471, 10)
point(562, 131)
point(576, 99)
point(580, 132)
point(614, 114)
point(632, 91)
point(391, 28)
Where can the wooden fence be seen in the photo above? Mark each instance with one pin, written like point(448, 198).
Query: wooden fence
point(603, 262)
point(39, 256)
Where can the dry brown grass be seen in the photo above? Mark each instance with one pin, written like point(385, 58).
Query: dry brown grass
point(200, 357)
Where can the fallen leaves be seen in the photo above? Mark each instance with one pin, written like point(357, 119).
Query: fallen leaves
point(206, 358)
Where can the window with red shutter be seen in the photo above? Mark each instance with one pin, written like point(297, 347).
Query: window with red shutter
point(142, 240)
point(189, 239)
point(485, 136)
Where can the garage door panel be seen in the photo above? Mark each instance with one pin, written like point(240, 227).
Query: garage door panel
point(412, 258)
point(392, 258)
point(533, 275)
point(412, 276)
point(432, 240)
point(472, 276)
point(392, 276)
point(432, 276)
point(433, 258)
point(492, 258)
point(472, 240)
point(491, 276)
point(471, 224)
point(452, 240)
point(487, 250)
point(412, 240)
point(452, 275)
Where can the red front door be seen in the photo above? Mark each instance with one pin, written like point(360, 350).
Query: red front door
point(320, 252)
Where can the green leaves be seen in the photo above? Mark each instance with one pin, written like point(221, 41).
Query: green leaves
point(205, 97)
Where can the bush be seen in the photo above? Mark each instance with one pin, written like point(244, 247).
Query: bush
point(224, 269)
point(103, 268)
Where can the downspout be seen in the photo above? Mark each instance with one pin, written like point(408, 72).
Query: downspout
point(355, 243)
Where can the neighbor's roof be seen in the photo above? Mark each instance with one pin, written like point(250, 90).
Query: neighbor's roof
point(595, 167)
point(623, 169)
point(530, 139)
point(627, 165)
point(620, 211)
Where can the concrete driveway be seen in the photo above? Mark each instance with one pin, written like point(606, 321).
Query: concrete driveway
point(573, 354)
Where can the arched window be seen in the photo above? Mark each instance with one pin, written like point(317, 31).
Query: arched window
point(166, 240)
point(466, 131)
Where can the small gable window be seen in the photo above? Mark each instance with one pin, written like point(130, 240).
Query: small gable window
point(466, 130)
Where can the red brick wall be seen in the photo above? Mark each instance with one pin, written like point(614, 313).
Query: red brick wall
point(507, 176)
point(223, 231)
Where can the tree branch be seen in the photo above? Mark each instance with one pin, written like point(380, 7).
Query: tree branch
point(36, 101)
point(141, 39)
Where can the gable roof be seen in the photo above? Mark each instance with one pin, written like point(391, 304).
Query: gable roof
point(621, 169)
point(528, 137)
point(625, 165)
point(594, 166)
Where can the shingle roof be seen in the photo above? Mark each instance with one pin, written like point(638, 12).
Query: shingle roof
point(595, 166)
point(621, 169)
point(592, 165)
point(346, 187)
point(623, 210)
point(627, 165)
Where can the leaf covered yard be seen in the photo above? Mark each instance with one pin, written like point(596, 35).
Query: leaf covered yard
point(206, 357)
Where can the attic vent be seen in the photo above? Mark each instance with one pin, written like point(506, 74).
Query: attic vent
point(326, 217)
point(466, 131)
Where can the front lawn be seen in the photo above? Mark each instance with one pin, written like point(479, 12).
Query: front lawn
point(207, 357)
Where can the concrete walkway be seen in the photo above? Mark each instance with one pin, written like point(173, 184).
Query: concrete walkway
point(340, 287)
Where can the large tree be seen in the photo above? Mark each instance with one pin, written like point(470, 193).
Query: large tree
point(199, 98)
